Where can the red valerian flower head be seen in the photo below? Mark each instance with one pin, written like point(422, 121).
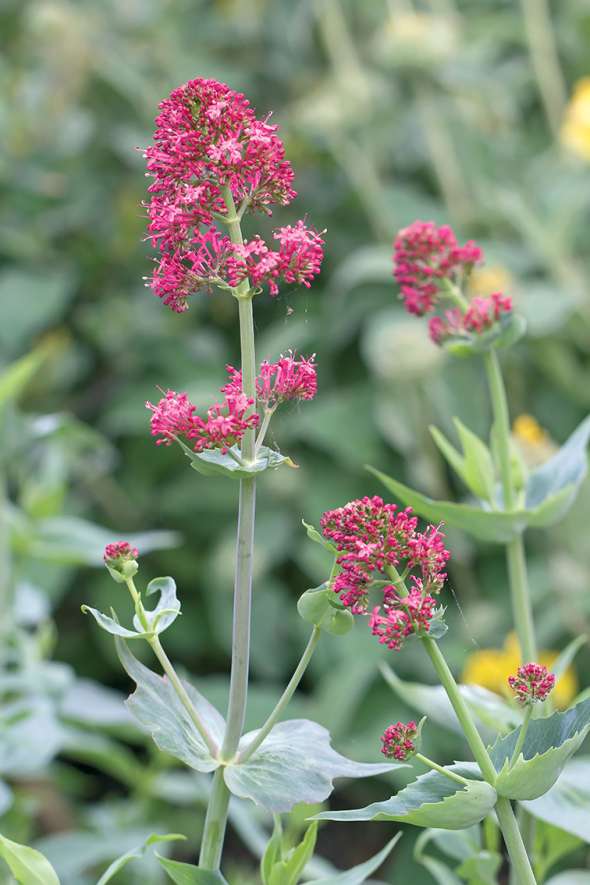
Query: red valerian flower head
point(120, 559)
point(174, 418)
point(482, 314)
point(399, 741)
point(289, 378)
point(532, 683)
point(425, 254)
point(372, 539)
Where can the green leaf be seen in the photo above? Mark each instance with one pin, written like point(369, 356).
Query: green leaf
point(488, 525)
point(491, 712)
point(548, 745)
point(212, 462)
point(314, 535)
point(564, 471)
point(15, 377)
point(452, 455)
point(566, 657)
point(566, 804)
point(479, 471)
point(110, 625)
point(27, 865)
point(319, 607)
point(359, 874)
point(439, 871)
point(272, 852)
point(551, 844)
point(187, 874)
point(156, 707)
point(481, 869)
point(288, 868)
point(433, 800)
point(122, 861)
point(167, 609)
point(295, 763)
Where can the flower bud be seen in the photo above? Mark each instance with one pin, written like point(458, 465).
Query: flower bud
point(400, 741)
point(532, 683)
point(120, 559)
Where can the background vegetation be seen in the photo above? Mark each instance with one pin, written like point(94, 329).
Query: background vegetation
point(451, 111)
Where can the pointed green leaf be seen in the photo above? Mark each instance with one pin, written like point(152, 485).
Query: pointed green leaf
point(479, 471)
point(566, 804)
point(122, 861)
point(452, 455)
point(488, 525)
point(314, 535)
point(491, 712)
point(187, 874)
point(359, 874)
point(566, 657)
point(167, 609)
point(295, 763)
point(551, 844)
point(565, 470)
point(481, 868)
point(212, 462)
point(272, 852)
point(156, 707)
point(548, 745)
point(287, 869)
point(439, 871)
point(27, 865)
point(110, 625)
point(319, 606)
point(433, 800)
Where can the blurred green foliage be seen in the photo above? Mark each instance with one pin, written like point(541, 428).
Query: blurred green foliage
point(390, 111)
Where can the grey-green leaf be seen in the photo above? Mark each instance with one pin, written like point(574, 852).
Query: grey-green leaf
point(156, 707)
point(565, 470)
point(359, 874)
point(314, 535)
point(110, 625)
point(566, 804)
point(295, 763)
point(167, 609)
point(187, 874)
point(478, 470)
point(212, 462)
point(433, 800)
point(27, 865)
point(548, 745)
point(122, 861)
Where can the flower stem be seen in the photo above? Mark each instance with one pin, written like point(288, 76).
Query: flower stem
point(452, 775)
point(182, 694)
point(501, 428)
point(521, 604)
point(216, 819)
point(523, 730)
point(268, 413)
point(521, 867)
point(285, 697)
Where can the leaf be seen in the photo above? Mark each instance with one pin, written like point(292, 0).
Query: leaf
point(359, 874)
point(548, 744)
point(272, 852)
point(566, 804)
point(432, 800)
point(122, 861)
point(566, 657)
point(551, 844)
point(565, 470)
point(212, 462)
point(295, 763)
point(15, 377)
point(479, 471)
point(187, 874)
point(157, 708)
point(287, 868)
point(488, 525)
point(28, 866)
point(492, 713)
point(167, 609)
point(319, 606)
point(314, 535)
point(481, 869)
point(570, 877)
point(111, 626)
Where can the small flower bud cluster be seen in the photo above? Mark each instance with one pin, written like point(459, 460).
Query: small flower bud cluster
point(482, 314)
point(399, 741)
point(425, 254)
point(207, 143)
point(289, 378)
point(121, 560)
point(532, 683)
point(174, 418)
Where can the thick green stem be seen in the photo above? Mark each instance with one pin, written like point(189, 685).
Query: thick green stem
point(521, 600)
point(521, 868)
point(216, 819)
point(215, 823)
point(501, 428)
point(285, 697)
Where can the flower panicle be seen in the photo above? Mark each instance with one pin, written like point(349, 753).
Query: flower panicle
point(399, 741)
point(287, 379)
point(532, 683)
point(482, 314)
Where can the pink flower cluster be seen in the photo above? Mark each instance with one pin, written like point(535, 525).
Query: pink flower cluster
point(425, 254)
point(208, 142)
point(481, 315)
point(175, 418)
point(532, 683)
point(120, 551)
point(374, 540)
point(288, 378)
point(399, 740)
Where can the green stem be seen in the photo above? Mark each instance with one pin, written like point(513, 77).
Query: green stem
point(521, 602)
point(541, 39)
point(285, 697)
point(453, 776)
point(521, 867)
point(268, 413)
point(522, 734)
point(216, 819)
point(183, 695)
point(501, 429)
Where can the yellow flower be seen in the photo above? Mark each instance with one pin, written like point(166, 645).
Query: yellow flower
point(533, 442)
point(575, 129)
point(527, 430)
point(485, 280)
point(491, 668)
